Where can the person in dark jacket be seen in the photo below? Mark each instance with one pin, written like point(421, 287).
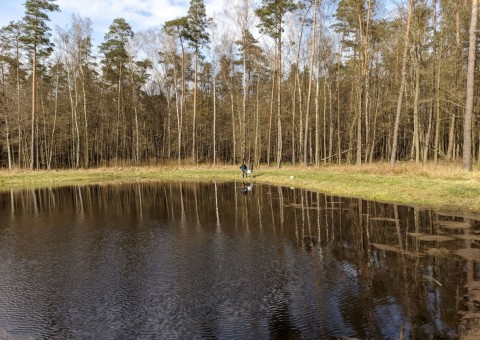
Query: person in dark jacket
point(243, 167)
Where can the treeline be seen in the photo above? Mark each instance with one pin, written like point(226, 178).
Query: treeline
point(275, 81)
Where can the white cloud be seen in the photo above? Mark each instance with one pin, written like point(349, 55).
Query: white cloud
point(140, 14)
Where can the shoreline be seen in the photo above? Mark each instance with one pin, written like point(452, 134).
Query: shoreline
point(436, 187)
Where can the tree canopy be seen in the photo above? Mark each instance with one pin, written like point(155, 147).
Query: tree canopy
point(265, 80)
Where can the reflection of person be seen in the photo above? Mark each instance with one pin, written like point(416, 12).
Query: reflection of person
point(243, 167)
point(247, 188)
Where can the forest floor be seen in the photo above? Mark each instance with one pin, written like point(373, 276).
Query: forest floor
point(444, 186)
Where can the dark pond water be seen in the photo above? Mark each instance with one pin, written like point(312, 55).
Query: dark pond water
point(182, 261)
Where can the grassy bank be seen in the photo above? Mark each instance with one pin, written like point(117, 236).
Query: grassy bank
point(442, 186)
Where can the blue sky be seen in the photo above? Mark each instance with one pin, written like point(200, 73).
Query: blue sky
point(140, 14)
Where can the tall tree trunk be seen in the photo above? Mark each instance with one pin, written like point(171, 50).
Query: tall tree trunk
point(17, 80)
point(7, 126)
point(178, 110)
point(324, 121)
point(300, 114)
point(451, 137)
point(437, 108)
point(325, 105)
point(77, 130)
point(271, 108)
point(416, 127)
point(214, 119)
point(137, 139)
point(37, 143)
point(32, 143)
point(296, 83)
point(43, 147)
point(169, 125)
point(317, 117)
point(294, 107)
point(194, 131)
point(377, 100)
point(279, 100)
point(117, 132)
point(70, 96)
point(436, 91)
point(366, 87)
point(451, 134)
point(359, 122)
point(85, 117)
point(310, 76)
point(366, 109)
point(257, 126)
point(9, 151)
point(52, 136)
point(428, 134)
point(359, 91)
point(234, 138)
point(339, 140)
point(73, 106)
point(467, 127)
point(403, 80)
point(182, 103)
point(330, 124)
point(244, 106)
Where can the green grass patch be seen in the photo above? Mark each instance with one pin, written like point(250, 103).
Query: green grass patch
point(434, 187)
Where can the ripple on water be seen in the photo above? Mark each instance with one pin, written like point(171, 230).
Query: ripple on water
point(160, 265)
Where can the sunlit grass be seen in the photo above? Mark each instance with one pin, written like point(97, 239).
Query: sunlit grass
point(437, 186)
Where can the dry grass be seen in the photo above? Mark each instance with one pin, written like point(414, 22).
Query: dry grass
point(429, 170)
point(436, 186)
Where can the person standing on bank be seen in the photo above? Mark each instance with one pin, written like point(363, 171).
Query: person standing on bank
point(243, 167)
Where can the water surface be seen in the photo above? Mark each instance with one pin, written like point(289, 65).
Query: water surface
point(231, 261)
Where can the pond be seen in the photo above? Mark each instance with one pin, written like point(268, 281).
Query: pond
point(231, 261)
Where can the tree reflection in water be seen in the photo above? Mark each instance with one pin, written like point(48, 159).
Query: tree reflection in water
point(220, 260)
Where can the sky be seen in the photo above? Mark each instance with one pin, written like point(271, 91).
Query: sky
point(140, 14)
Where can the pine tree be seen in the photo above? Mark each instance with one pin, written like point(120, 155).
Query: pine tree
point(116, 56)
point(37, 41)
point(271, 15)
point(114, 48)
point(250, 53)
point(197, 35)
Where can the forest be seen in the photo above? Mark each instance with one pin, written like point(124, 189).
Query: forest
point(273, 81)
